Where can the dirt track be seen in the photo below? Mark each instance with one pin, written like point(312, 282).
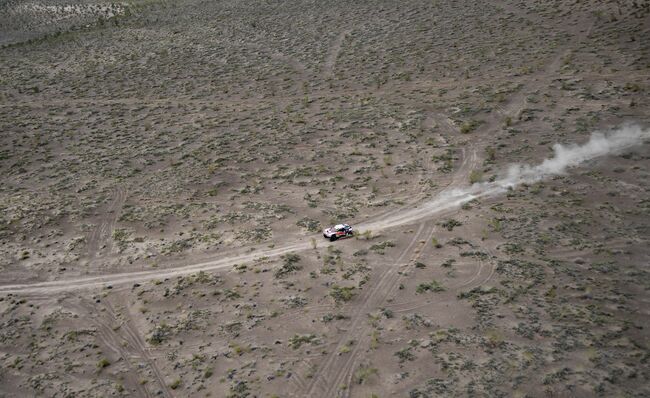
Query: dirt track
point(448, 200)
point(391, 219)
point(210, 142)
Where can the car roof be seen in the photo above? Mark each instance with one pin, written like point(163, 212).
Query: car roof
point(341, 226)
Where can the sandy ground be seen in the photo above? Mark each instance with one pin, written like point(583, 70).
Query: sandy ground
point(167, 169)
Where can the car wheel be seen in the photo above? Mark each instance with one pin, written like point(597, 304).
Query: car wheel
point(333, 238)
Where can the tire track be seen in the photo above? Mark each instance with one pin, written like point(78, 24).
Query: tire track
point(333, 54)
point(449, 200)
point(392, 218)
point(487, 265)
point(349, 375)
point(114, 342)
point(135, 340)
point(102, 233)
point(327, 379)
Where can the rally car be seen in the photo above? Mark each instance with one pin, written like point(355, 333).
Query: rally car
point(338, 231)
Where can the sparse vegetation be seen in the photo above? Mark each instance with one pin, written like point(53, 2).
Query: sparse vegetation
point(175, 384)
point(469, 126)
point(381, 247)
point(289, 265)
point(363, 373)
point(451, 224)
point(167, 170)
point(102, 363)
point(297, 341)
point(342, 294)
point(405, 354)
point(433, 286)
point(475, 176)
point(159, 334)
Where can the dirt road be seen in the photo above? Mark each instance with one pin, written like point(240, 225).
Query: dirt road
point(448, 200)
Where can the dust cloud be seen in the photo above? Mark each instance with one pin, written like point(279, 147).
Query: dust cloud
point(564, 158)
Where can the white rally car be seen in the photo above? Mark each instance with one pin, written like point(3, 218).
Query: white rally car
point(338, 231)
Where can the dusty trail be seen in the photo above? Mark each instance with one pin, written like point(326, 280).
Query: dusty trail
point(390, 219)
point(136, 341)
point(331, 374)
point(333, 54)
point(102, 233)
point(347, 373)
point(140, 276)
point(448, 200)
point(114, 341)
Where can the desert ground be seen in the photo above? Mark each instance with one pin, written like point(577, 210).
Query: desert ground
point(167, 168)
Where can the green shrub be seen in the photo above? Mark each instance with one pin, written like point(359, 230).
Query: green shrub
point(363, 373)
point(380, 247)
point(159, 334)
point(433, 286)
point(405, 355)
point(290, 260)
point(102, 363)
point(450, 224)
point(342, 294)
point(298, 340)
point(175, 384)
point(309, 224)
point(475, 176)
point(208, 373)
point(469, 126)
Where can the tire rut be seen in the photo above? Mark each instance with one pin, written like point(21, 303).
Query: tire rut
point(114, 341)
point(392, 218)
point(349, 371)
point(333, 54)
point(135, 340)
point(327, 379)
point(102, 233)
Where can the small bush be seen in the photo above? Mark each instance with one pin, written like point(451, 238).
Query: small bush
point(381, 247)
point(309, 224)
point(175, 384)
point(491, 154)
point(289, 265)
point(469, 126)
point(297, 340)
point(405, 355)
point(363, 373)
point(102, 363)
point(475, 176)
point(159, 334)
point(342, 294)
point(451, 224)
point(448, 263)
point(208, 373)
point(433, 286)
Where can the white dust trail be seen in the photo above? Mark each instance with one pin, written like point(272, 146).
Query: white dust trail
point(600, 144)
point(565, 157)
